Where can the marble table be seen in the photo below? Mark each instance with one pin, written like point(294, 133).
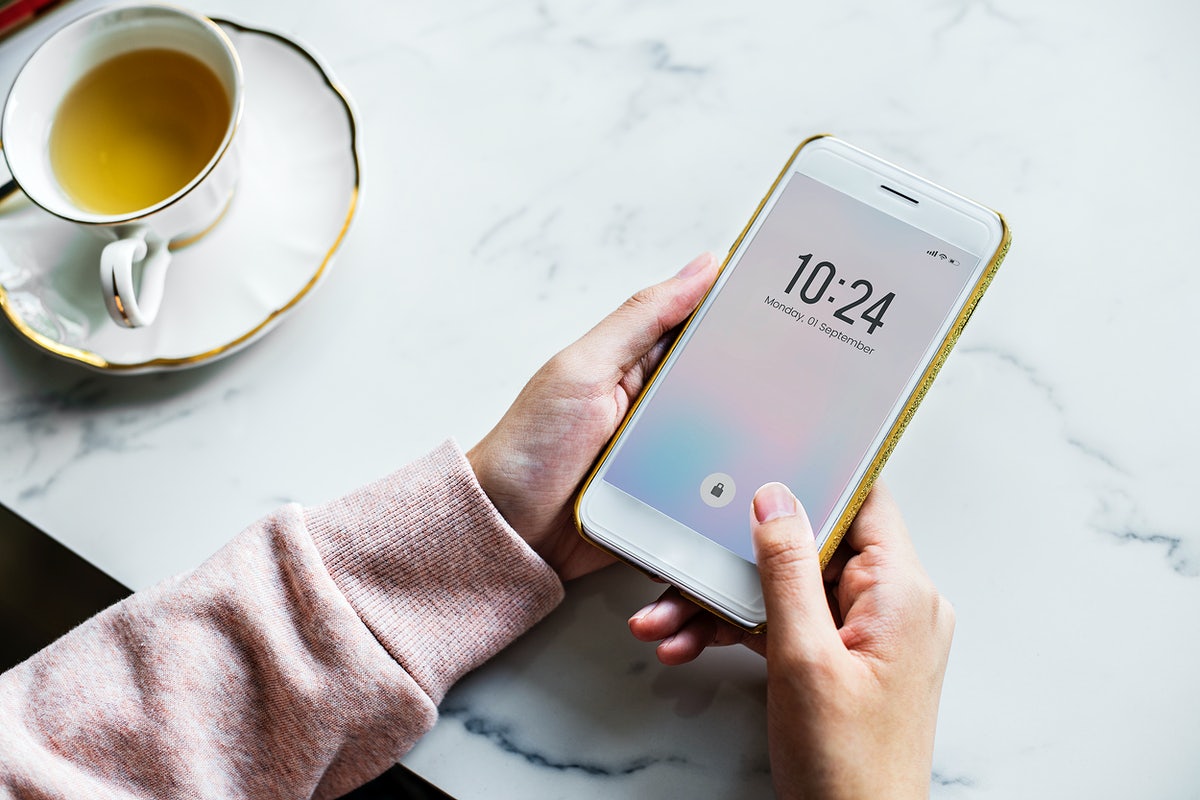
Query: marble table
point(527, 165)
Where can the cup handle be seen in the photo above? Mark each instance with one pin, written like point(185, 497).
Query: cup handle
point(134, 308)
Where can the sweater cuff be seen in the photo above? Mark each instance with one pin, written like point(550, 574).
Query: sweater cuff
point(432, 568)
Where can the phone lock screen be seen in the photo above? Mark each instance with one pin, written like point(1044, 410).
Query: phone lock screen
point(796, 367)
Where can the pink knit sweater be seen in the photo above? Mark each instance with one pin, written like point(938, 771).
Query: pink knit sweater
point(301, 660)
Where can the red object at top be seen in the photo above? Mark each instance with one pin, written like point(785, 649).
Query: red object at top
point(15, 13)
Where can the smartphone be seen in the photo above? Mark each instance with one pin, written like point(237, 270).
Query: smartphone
point(832, 314)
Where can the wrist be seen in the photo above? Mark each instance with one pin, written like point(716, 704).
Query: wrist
point(493, 481)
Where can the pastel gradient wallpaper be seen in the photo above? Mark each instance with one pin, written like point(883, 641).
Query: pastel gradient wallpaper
point(791, 385)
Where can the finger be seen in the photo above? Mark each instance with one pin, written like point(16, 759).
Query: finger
point(625, 336)
point(886, 558)
point(832, 575)
point(879, 524)
point(653, 356)
point(789, 565)
point(664, 617)
point(673, 613)
point(702, 632)
point(837, 562)
point(835, 604)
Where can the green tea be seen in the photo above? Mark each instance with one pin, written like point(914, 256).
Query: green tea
point(136, 129)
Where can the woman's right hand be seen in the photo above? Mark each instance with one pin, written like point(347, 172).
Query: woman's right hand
point(855, 656)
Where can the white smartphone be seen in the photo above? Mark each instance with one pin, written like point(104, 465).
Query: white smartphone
point(833, 312)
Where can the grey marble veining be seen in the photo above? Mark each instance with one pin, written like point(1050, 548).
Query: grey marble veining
point(527, 165)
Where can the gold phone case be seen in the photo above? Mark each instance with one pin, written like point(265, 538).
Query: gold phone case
point(893, 436)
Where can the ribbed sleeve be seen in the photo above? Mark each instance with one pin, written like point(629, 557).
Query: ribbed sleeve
point(301, 660)
point(432, 568)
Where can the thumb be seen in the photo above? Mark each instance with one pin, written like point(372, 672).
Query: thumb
point(626, 335)
point(789, 566)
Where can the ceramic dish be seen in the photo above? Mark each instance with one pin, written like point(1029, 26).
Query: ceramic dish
point(294, 201)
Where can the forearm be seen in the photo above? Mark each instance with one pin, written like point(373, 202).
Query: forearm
point(303, 658)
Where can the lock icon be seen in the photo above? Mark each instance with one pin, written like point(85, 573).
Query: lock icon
point(717, 490)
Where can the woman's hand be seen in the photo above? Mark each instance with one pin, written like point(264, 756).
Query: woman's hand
point(532, 462)
point(855, 657)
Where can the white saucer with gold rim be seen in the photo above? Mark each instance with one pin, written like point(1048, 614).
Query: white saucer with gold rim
point(296, 196)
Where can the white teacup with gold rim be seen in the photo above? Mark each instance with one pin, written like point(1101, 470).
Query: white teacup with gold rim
point(125, 123)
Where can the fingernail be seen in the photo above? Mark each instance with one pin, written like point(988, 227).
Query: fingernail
point(695, 265)
point(645, 612)
point(773, 501)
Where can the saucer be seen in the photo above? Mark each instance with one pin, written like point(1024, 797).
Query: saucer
point(295, 198)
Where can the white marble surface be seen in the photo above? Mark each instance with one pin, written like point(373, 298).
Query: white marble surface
point(529, 164)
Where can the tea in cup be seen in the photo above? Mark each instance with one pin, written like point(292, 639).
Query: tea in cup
point(124, 122)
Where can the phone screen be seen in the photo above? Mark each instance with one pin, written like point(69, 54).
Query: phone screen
point(818, 331)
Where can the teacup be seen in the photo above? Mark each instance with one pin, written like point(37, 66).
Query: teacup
point(125, 123)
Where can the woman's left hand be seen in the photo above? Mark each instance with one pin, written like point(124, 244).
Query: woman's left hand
point(532, 462)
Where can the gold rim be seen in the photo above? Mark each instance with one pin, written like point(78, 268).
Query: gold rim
point(97, 361)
